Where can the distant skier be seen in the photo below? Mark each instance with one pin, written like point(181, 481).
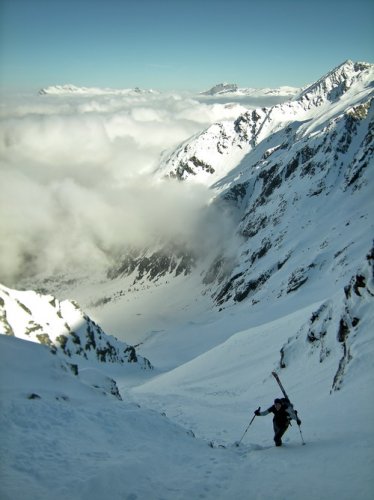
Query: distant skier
point(283, 413)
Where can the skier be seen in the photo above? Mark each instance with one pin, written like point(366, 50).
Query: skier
point(283, 413)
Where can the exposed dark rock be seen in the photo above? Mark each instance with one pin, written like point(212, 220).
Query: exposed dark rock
point(266, 245)
point(33, 395)
point(225, 293)
point(26, 309)
point(359, 283)
point(236, 193)
point(291, 167)
point(254, 224)
point(296, 280)
point(132, 357)
point(343, 331)
point(170, 260)
point(251, 286)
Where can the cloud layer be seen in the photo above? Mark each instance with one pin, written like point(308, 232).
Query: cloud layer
point(77, 184)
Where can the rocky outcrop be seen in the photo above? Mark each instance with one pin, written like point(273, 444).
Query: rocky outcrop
point(338, 332)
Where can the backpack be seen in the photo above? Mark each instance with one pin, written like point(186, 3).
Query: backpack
point(288, 408)
point(286, 403)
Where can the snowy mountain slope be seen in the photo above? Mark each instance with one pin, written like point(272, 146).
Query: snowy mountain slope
point(266, 170)
point(63, 327)
point(210, 155)
point(293, 292)
point(303, 208)
point(296, 183)
point(60, 438)
point(220, 148)
point(337, 82)
point(332, 339)
point(31, 371)
point(329, 379)
point(107, 447)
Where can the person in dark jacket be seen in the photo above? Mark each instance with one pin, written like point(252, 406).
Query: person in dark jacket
point(283, 413)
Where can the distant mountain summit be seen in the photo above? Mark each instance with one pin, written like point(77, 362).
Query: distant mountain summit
point(70, 89)
point(221, 88)
point(231, 89)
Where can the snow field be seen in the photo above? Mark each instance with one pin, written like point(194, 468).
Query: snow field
point(75, 441)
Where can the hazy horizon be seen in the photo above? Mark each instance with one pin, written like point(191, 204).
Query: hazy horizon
point(184, 45)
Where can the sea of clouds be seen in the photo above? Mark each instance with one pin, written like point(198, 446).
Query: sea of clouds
point(78, 181)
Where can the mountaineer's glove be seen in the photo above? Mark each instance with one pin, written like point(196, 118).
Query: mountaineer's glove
point(257, 412)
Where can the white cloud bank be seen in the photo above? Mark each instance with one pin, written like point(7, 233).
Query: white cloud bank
point(76, 183)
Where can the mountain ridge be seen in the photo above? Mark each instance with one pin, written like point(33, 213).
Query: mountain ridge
point(336, 82)
point(206, 157)
point(233, 90)
point(63, 327)
point(70, 89)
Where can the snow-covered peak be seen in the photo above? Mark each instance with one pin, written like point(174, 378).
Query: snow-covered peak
point(214, 153)
point(335, 83)
point(70, 89)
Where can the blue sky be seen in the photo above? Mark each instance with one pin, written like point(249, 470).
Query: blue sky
point(179, 44)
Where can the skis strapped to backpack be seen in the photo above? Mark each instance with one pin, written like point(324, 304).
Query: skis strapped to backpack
point(286, 403)
point(275, 375)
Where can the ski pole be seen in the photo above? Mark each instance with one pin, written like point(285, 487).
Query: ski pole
point(301, 434)
point(245, 432)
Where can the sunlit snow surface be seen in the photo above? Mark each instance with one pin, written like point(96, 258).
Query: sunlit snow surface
point(75, 442)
